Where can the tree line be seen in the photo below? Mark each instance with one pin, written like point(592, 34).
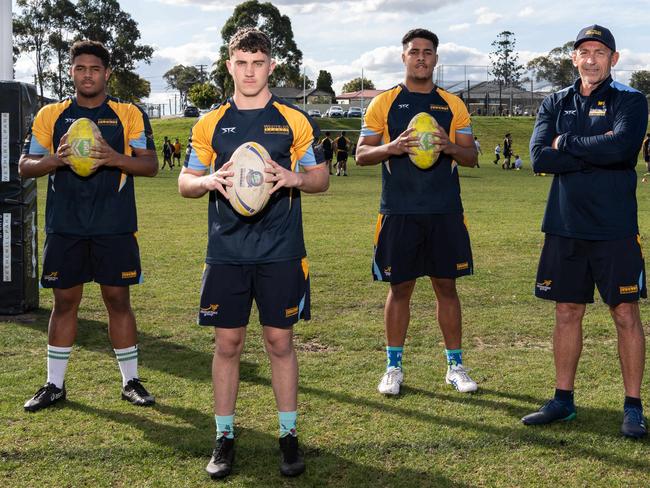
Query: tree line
point(45, 29)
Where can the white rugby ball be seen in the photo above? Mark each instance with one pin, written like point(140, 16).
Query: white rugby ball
point(249, 193)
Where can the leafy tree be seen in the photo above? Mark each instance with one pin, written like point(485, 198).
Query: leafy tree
point(641, 81)
point(31, 31)
point(182, 78)
point(267, 18)
point(556, 67)
point(63, 18)
point(105, 21)
point(203, 94)
point(305, 81)
point(505, 60)
point(355, 85)
point(127, 85)
point(324, 82)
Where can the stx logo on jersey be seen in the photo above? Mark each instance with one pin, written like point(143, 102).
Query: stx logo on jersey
point(443, 108)
point(81, 147)
point(276, 129)
point(228, 130)
point(69, 121)
point(53, 276)
point(129, 274)
point(626, 290)
point(290, 312)
point(403, 105)
point(210, 311)
point(569, 112)
point(106, 121)
point(545, 285)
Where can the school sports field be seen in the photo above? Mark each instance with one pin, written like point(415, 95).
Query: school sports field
point(353, 437)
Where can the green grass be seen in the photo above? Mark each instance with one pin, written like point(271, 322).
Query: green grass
point(429, 436)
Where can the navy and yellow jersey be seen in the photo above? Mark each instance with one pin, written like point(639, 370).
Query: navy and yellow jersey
point(407, 189)
point(593, 193)
point(289, 135)
point(104, 202)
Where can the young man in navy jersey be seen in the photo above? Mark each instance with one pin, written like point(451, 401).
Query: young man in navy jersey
point(259, 258)
point(589, 135)
point(90, 221)
point(421, 228)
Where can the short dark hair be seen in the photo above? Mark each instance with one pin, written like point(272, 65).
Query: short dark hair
point(421, 34)
point(249, 40)
point(90, 47)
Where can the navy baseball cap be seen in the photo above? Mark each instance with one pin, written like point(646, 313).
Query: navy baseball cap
point(596, 33)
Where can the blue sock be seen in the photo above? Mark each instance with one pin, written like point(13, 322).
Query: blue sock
point(394, 356)
point(454, 357)
point(287, 422)
point(225, 426)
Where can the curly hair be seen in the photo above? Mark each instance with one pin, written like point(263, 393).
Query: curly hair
point(420, 34)
point(90, 47)
point(250, 40)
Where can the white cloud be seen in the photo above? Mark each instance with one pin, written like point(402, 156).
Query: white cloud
point(485, 16)
point(527, 12)
point(460, 27)
point(190, 53)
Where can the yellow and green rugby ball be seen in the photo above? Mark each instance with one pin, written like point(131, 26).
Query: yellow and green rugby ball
point(426, 154)
point(82, 136)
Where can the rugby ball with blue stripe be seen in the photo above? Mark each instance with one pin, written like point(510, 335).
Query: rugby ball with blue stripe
point(249, 193)
point(426, 154)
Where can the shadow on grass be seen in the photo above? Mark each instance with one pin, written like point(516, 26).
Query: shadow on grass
point(182, 361)
point(257, 452)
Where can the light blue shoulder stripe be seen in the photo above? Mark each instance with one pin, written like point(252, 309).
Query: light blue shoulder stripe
point(365, 132)
point(194, 162)
point(465, 130)
point(621, 87)
point(309, 159)
point(140, 142)
point(36, 148)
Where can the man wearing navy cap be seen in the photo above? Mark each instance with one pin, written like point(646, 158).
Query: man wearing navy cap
point(589, 135)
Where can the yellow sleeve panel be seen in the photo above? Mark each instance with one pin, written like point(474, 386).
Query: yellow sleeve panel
point(376, 118)
point(303, 132)
point(43, 126)
point(460, 122)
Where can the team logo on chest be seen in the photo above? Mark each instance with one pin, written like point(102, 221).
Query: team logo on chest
point(228, 130)
point(439, 108)
point(599, 110)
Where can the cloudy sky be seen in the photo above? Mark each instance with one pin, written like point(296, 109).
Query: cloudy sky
point(343, 37)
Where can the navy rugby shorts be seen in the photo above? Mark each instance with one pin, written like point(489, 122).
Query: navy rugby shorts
point(109, 260)
point(280, 291)
point(410, 246)
point(570, 268)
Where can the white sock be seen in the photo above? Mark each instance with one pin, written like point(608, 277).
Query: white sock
point(127, 359)
point(57, 363)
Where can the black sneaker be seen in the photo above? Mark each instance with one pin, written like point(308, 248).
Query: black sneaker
point(292, 462)
point(135, 393)
point(46, 395)
point(223, 456)
point(551, 411)
point(634, 423)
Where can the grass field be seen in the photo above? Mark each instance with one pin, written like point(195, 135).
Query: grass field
point(430, 436)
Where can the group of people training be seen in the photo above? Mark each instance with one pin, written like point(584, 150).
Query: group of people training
point(587, 135)
point(170, 150)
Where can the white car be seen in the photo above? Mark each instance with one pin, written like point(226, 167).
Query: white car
point(334, 111)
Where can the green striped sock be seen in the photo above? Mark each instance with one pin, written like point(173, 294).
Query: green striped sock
point(127, 359)
point(57, 363)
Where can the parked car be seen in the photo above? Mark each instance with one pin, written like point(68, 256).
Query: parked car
point(354, 112)
point(191, 111)
point(314, 113)
point(334, 111)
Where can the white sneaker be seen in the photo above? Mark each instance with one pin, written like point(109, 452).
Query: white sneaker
point(458, 377)
point(391, 381)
